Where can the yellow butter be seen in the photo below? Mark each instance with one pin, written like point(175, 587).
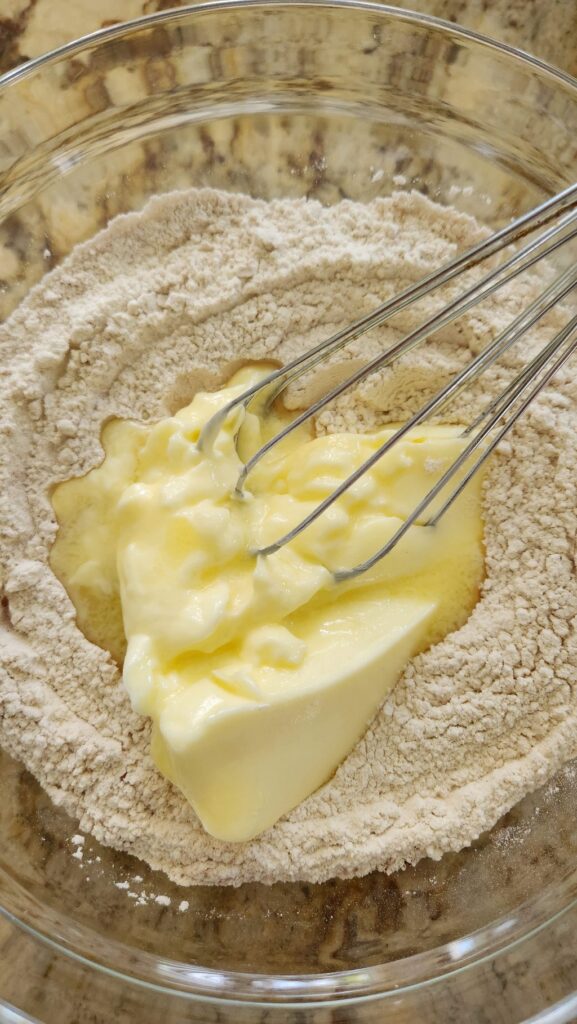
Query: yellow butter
point(260, 674)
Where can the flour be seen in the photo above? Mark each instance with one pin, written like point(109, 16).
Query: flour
point(171, 300)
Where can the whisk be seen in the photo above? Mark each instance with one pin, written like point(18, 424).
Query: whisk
point(500, 414)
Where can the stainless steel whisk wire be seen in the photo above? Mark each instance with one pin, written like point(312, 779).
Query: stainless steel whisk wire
point(538, 372)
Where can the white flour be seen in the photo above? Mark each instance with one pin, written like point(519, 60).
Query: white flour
point(171, 300)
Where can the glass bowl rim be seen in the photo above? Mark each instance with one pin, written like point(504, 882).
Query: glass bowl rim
point(357, 985)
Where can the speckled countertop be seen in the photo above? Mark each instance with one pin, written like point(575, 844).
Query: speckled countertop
point(547, 28)
point(57, 990)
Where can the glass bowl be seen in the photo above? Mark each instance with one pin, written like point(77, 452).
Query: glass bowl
point(325, 100)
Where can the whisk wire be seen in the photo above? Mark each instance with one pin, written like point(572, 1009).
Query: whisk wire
point(484, 431)
point(518, 263)
point(513, 392)
point(561, 287)
point(525, 379)
point(279, 379)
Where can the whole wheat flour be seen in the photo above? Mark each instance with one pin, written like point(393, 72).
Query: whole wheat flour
point(173, 299)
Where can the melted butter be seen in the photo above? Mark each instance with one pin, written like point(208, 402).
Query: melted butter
point(260, 674)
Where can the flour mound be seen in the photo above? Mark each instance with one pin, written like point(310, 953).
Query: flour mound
point(171, 300)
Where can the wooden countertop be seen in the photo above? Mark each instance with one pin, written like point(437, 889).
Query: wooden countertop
point(546, 28)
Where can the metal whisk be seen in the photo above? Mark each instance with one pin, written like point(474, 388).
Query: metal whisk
point(495, 420)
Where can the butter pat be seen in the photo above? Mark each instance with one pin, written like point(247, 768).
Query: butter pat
point(260, 674)
point(244, 756)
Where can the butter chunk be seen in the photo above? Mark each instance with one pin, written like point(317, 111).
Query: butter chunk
point(260, 673)
point(242, 759)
